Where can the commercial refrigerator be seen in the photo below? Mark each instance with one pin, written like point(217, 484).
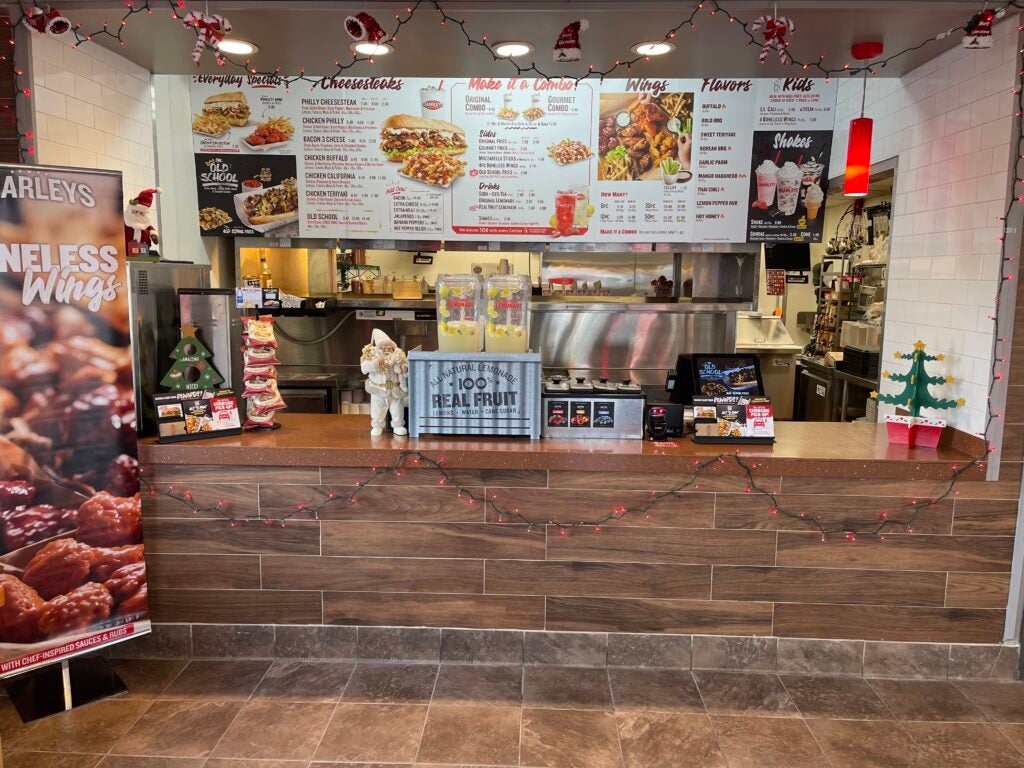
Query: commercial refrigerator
point(218, 324)
point(155, 325)
point(767, 337)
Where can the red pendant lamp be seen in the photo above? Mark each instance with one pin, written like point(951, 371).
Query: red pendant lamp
point(858, 151)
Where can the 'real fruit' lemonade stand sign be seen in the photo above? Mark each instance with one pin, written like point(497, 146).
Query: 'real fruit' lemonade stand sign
point(72, 574)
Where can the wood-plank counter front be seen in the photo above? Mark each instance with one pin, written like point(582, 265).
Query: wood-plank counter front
point(711, 560)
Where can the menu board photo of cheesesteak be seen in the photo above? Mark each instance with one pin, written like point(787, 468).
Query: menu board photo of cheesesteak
point(72, 573)
point(241, 115)
point(247, 195)
point(426, 148)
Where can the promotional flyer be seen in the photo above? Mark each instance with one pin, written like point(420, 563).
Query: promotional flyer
point(73, 576)
point(707, 160)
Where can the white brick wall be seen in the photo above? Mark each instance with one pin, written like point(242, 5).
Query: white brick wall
point(93, 109)
point(950, 123)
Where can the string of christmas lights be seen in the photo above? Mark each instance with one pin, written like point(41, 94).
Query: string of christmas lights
point(901, 519)
point(889, 521)
point(712, 8)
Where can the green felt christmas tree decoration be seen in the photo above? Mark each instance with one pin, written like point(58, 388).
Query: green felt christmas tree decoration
point(192, 368)
point(915, 395)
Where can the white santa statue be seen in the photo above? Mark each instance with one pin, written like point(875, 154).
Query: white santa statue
point(139, 232)
point(387, 382)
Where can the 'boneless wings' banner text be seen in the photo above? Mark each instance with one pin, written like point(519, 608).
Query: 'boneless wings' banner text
point(73, 576)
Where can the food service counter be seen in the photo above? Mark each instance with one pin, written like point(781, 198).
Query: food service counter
point(801, 449)
point(710, 560)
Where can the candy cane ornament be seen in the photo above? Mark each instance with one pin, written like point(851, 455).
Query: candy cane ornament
point(210, 30)
point(777, 30)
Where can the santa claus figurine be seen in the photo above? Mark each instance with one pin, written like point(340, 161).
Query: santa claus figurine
point(139, 232)
point(387, 383)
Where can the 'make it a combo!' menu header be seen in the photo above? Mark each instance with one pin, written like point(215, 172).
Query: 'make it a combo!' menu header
point(712, 160)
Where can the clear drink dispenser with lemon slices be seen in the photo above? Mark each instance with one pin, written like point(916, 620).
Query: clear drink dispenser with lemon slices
point(507, 300)
point(460, 313)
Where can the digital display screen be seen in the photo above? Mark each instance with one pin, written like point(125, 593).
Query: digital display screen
point(722, 375)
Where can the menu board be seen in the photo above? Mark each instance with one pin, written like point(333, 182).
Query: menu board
point(626, 160)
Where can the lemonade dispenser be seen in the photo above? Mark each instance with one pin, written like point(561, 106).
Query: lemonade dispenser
point(508, 313)
point(459, 313)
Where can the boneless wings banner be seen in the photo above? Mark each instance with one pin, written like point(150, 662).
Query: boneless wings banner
point(72, 574)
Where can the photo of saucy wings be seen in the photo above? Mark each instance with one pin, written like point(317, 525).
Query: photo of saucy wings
point(637, 132)
point(71, 548)
point(273, 132)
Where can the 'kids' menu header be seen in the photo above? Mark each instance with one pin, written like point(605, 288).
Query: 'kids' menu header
point(639, 160)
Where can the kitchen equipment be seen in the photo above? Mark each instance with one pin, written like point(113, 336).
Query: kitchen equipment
point(155, 327)
point(309, 392)
point(814, 393)
point(219, 326)
point(407, 288)
point(459, 313)
point(768, 337)
point(508, 313)
point(665, 420)
point(657, 422)
point(605, 410)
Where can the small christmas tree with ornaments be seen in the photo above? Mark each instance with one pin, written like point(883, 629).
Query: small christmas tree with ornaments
point(914, 429)
point(192, 368)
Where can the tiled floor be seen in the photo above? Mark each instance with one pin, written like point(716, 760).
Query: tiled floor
point(258, 714)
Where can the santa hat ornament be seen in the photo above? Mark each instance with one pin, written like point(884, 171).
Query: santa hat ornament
point(978, 31)
point(145, 197)
point(363, 28)
point(49, 22)
point(567, 47)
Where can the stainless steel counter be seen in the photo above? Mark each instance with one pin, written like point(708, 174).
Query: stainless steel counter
point(551, 304)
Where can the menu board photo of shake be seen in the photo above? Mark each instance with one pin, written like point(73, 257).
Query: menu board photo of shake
point(788, 185)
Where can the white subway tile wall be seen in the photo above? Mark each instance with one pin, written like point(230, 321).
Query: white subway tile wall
point(93, 109)
point(950, 123)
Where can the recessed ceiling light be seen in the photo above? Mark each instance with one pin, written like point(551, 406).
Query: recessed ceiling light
point(512, 48)
point(237, 47)
point(366, 48)
point(654, 48)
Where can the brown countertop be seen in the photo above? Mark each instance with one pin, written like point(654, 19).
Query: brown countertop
point(801, 449)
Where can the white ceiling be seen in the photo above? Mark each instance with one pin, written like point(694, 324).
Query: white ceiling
point(311, 34)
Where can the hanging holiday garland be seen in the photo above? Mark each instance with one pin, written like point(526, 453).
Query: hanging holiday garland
point(207, 38)
point(901, 519)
